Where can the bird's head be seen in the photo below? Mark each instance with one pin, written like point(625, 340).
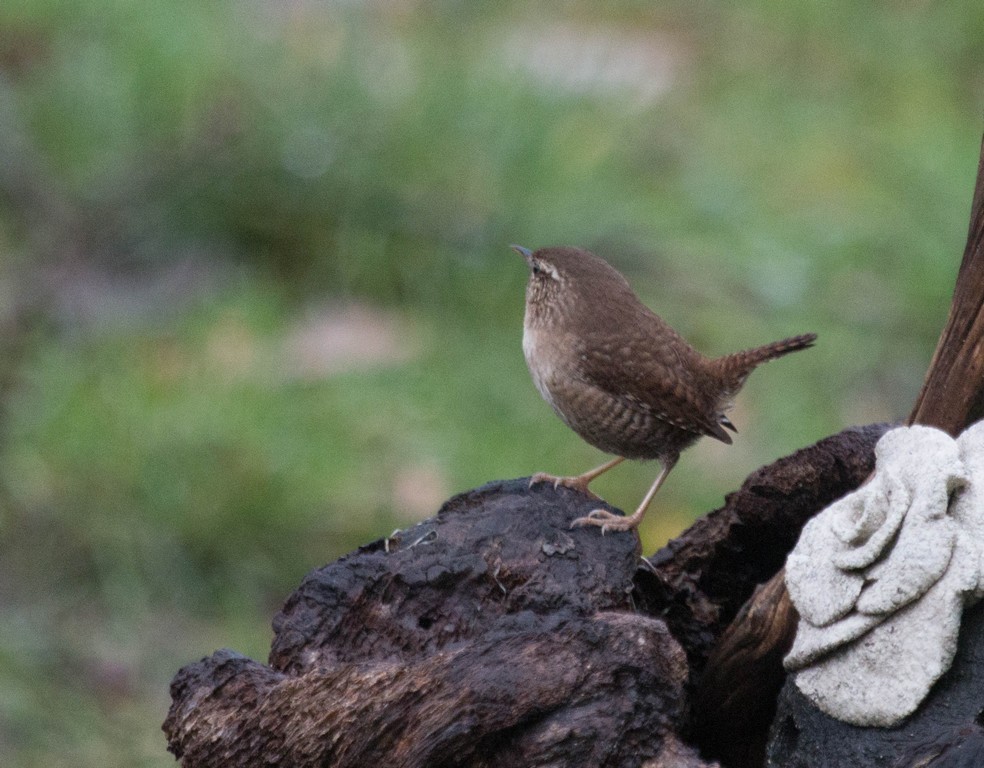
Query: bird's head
point(562, 276)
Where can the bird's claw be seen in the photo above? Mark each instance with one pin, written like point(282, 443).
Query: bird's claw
point(604, 520)
point(577, 483)
point(543, 477)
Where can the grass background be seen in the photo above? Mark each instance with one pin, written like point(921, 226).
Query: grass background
point(257, 305)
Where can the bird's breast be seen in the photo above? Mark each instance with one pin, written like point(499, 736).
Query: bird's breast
point(541, 360)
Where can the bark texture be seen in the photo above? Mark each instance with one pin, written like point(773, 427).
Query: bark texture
point(489, 635)
point(493, 635)
point(952, 395)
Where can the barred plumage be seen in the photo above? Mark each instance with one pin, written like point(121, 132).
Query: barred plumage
point(620, 376)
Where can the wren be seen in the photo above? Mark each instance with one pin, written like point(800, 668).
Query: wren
point(618, 375)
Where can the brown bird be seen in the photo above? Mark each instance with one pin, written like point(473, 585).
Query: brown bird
point(618, 375)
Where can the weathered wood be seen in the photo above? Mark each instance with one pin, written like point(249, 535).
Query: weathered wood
point(735, 701)
point(490, 554)
point(952, 395)
point(598, 691)
point(700, 580)
point(489, 635)
point(494, 635)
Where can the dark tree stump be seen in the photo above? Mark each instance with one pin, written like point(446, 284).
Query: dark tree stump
point(489, 635)
point(493, 556)
point(945, 730)
point(493, 635)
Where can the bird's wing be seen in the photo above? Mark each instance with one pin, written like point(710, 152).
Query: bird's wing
point(649, 366)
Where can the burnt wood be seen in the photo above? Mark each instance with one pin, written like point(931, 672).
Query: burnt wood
point(493, 635)
point(489, 635)
point(945, 732)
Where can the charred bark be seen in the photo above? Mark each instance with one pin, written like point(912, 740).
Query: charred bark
point(489, 635)
point(493, 635)
point(946, 730)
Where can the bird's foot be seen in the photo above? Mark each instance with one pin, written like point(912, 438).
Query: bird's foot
point(607, 521)
point(577, 483)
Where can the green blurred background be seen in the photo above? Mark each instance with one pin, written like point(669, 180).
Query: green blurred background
point(257, 305)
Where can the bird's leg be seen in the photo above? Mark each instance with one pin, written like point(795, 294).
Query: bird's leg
point(578, 482)
point(609, 522)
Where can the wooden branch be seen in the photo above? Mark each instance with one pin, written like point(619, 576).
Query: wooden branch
point(952, 395)
point(735, 700)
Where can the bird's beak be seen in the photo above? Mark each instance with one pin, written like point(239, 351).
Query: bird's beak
point(526, 253)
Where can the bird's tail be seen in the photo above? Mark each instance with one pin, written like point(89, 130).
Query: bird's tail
point(734, 369)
